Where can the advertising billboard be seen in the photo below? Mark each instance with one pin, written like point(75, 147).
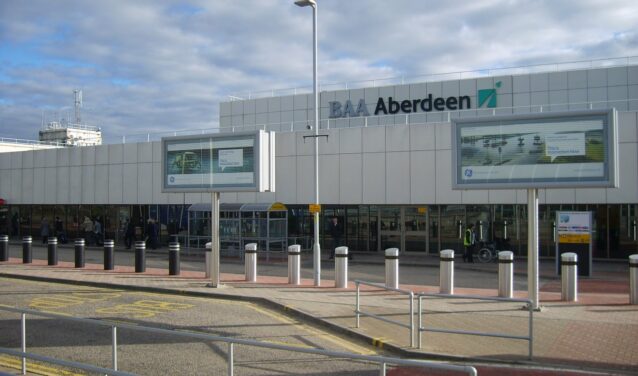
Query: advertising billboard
point(551, 150)
point(233, 162)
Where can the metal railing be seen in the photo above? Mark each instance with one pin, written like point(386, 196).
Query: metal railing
point(382, 361)
point(358, 312)
point(381, 120)
point(530, 307)
point(490, 72)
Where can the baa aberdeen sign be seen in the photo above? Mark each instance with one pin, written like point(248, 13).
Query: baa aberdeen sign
point(486, 98)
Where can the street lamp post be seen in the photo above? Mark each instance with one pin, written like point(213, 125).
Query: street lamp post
point(316, 248)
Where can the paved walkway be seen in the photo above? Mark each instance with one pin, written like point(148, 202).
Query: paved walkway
point(597, 333)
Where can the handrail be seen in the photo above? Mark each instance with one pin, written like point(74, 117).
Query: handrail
point(619, 61)
point(292, 126)
point(529, 305)
point(382, 361)
point(358, 312)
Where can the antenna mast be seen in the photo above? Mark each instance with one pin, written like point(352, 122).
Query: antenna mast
point(77, 93)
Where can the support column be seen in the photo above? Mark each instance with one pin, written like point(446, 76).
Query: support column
point(532, 247)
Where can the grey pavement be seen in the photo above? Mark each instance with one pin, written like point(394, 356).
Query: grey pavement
point(597, 333)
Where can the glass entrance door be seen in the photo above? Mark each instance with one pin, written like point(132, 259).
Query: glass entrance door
point(390, 219)
point(415, 227)
point(405, 228)
point(624, 241)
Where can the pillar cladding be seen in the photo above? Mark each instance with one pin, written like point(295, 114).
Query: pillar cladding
point(250, 266)
point(140, 257)
point(4, 247)
point(569, 276)
point(294, 264)
point(52, 251)
point(446, 274)
point(506, 274)
point(392, 268)
point(109, 259)
point(79, 253)
point(341, 267)
point(173, 259)
point(27, 251)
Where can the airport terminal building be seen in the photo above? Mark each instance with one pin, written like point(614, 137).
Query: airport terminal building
point(385, 169)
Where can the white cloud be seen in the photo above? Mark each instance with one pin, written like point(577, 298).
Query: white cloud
point(148, 66)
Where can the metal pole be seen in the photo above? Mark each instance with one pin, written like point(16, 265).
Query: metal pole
point(231, 359)
point(532, 247)
point(420, 308)
point(114, 346)
point(316, 248)
point(382, 369)
point(23, 331)
point(531, 332)
point(357, 304)
point(412, 344)
point(214, 262)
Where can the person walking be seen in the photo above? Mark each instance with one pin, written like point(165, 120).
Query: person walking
point(335, 231)
point(87, 228)
point(97, 232)
point(59, 230)
point(44, 230)
point(469, 240)
point(129, 234)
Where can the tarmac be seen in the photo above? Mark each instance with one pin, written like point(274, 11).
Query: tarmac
point(597, 334)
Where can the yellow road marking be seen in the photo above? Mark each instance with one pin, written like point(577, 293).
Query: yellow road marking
point(350, 346)
point(39, 369)
point(145, 310)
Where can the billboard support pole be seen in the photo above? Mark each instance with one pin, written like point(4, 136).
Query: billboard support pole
point(532, 248)
point(214, 220)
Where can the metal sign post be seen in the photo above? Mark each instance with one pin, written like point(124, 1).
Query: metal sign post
point(532, 248)
point(215, 244)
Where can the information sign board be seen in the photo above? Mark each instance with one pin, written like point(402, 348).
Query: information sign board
point(574, 234)
point(549, 150)
point(231, 162)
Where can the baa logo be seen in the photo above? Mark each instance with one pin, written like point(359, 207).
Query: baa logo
point(172, 179)
point(468, 172)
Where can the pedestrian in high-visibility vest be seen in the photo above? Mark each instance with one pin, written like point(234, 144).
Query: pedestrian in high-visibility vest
point(469, 240)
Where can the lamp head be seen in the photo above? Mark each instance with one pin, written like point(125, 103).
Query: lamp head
point(305, 3)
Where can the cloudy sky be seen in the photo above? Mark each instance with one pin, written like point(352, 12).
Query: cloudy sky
point(159, 65)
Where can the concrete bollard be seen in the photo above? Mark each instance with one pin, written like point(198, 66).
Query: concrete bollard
point(294, 264)
point(140, 257)
point(109, 255)
point(79, 253)
point(250, 262)
point(173, 259)
point(4, 247)
point(392, 268)
point(446, 274)
point(569, 277)
point(52, 251)
point(633, 279)
point(341, 267)
point(506, 274)
point(27, 251)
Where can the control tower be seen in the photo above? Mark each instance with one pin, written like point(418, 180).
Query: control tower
point(71, 133)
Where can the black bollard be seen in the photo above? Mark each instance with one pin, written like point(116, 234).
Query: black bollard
point(27, 252)
point(173, 259)
point(4, 247)
point(52, 248)
point(140, 257)
point(109, 244)
point(79, 253)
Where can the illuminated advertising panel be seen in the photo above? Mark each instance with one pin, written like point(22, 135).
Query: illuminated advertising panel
point(552, 150)
point(218, 162)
